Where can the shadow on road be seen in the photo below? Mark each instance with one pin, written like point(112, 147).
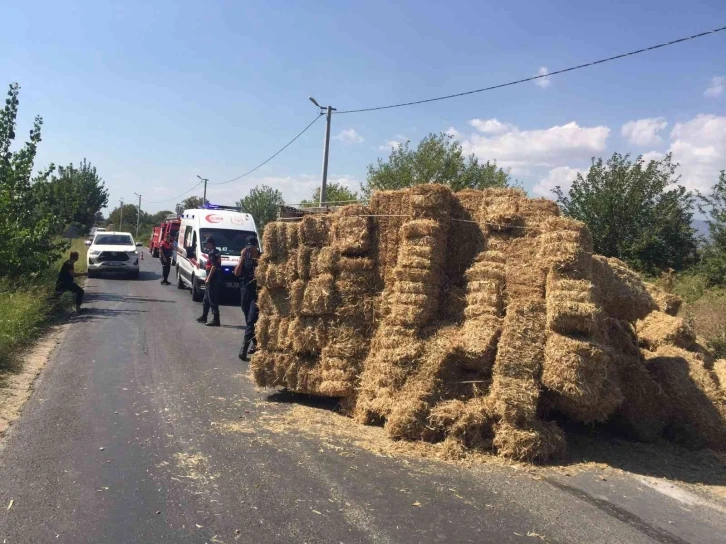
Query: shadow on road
point(144, 275)
point(662, 459)
point(116, 297)
point(89, 314)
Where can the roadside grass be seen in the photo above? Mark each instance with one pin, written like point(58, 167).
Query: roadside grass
point(27, 308)
point(704, 307)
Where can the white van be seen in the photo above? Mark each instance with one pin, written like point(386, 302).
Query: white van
point(230, 229)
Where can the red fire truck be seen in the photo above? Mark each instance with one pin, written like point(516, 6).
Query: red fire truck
point(170, 226)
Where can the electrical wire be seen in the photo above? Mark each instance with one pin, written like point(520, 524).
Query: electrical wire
point(533, 78)
point(174, 197)
point(288, 144)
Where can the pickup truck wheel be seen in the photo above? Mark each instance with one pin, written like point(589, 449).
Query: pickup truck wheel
point(197, 293)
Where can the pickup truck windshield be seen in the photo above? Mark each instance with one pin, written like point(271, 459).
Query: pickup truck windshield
point(229, 242)
point(113, 240)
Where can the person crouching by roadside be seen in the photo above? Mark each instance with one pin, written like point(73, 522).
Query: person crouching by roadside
point(213, 283)
point(245, 270)
point(65, 280)
point(166, 251)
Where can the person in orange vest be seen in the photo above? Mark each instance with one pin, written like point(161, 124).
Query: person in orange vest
point(213, 284)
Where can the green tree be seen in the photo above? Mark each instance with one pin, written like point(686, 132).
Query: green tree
point(130, 214)
point(636, 212)
point(29, 242)
point(158, 217)
point(189, 203)
point(263, 204)
point(438, 158)
point(74, 195)
point(334, 193)
point(713, 261)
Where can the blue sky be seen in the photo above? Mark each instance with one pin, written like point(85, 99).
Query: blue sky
point(154, 93)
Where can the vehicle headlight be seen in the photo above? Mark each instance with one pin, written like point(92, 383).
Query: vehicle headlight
point(94, 252)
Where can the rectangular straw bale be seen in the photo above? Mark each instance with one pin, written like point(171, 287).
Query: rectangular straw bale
point(719, 370)
point(271, 241)
point(352, 230)
point(500, 242)
point(406, 261)
point(326, 262)
point(525, 276)
point(566, 257)
point(623, 294)
point(273, 325)
point(306, 257)
point(479, 337)
point(415, 287)
point(582, 377)
point(665, 302)
point(290, 270)
point(560, 286)
point(483, 303)
point(309, 334)
point(536, 210)
point(297, 294)
point(644, 411)
point(315, 230)
point(273, 301)
point(262, 367)
point(274, 276)
point(500, 209)
point(412, 310)
point(319, 298)
point(696, 404)
point(262, 331)
point(486, 271)
point(292, 234)
point(536, 441)
point(422, 228)
point(519, 359)
point(430, 201)
point(284, 338)
point(660, 329)
point(557, 230)
point(391, 211)
point(567, 316)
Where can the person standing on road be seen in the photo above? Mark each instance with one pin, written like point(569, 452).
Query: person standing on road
point(65, 280)
point(166, 250)
point(245, 270)
point(213, 283)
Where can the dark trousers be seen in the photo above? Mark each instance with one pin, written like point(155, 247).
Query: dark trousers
point(248, 295)
point(211, 298)
point(251, 319)
point(165, 268)
point(73, 288)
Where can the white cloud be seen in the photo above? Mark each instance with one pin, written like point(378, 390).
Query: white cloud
point(718, 85)
point(391, 144)
point(699, 145)
point(491, 126)
point(521, 150)
point(543, 82)
point(349, 136)
point(652, 156)
point(562, 176)
point(644, 131)
point(451, 131)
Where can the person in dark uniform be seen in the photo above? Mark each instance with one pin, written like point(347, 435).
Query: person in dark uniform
point(166, 250)
point(245, 270)
point(65, 280)
point(213, 283)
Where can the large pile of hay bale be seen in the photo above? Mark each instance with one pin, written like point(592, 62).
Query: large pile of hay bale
point(480, 319)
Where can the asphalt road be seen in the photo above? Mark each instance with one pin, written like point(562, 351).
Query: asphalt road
point(144, 428)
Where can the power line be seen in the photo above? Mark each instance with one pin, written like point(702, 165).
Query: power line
point(288, 144)
point(177, 196)
point(533, 78)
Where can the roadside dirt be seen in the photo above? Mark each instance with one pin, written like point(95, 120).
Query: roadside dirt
point(17, 387)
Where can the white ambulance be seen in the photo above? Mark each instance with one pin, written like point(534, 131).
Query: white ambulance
point(230, 229)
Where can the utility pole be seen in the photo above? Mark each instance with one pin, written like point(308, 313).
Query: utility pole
point(121, 221)
point(326, 148)
point(204, 198)
point(138, 215)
